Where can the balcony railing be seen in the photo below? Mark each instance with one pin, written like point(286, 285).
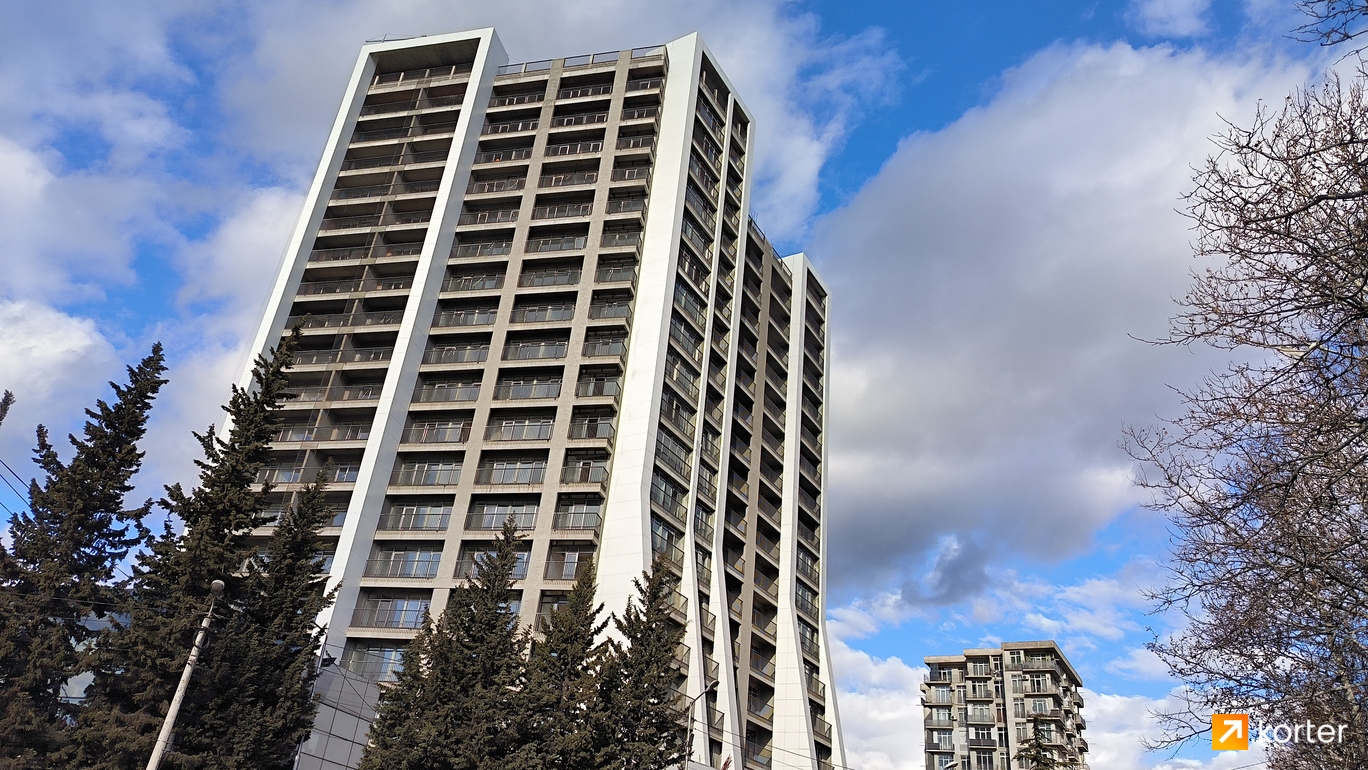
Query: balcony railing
point(519, 431)
point(585, 521)
point(615, 273)
point(568, 179)
point(387, 617)
point(508, 100)
point(456, 354)
point(343, 356)
point(625, 205)
point(426, 475)
point(504, 155)
point(640, 113)
point(482, 282)
point(529, 314)
point(574, 148)
point(456, 433)
point(405, 564)
point(642, 173)
point(620, 239)
point(509, 126)
point(506, 391)
point(402, 132)
point(636, 142)
point(470, 566)
point(605, 346)
point(343, 393)
point(416, 518)
point(488, 217)
point(582, 119)
point(532, 350)
point(583, 91)
point(507, 184)
point(396, 283)
point(593, 388)
point(491, 521)
point(382, 190)
point(483, 316)
point(462, 391)
point(511, 474)
point(563, 211)
point(566, 276)
point(431, 102)
point(809, 570)
point(645, 84)
point(347, 432)
point(344, 320)
point(584, 474)
point(382, 161)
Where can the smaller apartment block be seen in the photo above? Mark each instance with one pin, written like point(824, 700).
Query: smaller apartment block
point(979, 707)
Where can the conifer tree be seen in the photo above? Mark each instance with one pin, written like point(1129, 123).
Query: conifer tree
point(644, 713)
point(137, 661)
point(251, 702)
point(6, 401)
point(1035, 752)
point(457, 704)
point(65, 549)
point(563, 679)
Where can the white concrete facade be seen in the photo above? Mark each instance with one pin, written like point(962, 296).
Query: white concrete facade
point(534, 290)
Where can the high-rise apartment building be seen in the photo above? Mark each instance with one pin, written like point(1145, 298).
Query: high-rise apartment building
point(978, 707)
point(534, 291)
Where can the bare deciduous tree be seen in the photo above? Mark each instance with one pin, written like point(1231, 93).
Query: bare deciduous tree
point(1332, 21)
point(1265, 478)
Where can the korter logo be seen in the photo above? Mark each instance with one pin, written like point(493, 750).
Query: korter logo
point(1231, 732)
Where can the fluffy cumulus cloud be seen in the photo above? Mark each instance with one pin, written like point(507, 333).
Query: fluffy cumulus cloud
point(988, 284)
point(881, 713)
point(1169, 18)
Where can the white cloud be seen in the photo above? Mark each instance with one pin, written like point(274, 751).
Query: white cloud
point(985, 286)
point(881, 712)
point(1174, 18)
point(56, 364)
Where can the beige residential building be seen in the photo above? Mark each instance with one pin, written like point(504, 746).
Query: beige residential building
point(978, 707)
point(534, 291)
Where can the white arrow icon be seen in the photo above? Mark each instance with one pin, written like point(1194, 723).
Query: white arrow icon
point(1234, 727)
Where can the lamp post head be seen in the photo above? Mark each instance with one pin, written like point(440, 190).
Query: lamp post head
point(217, 587)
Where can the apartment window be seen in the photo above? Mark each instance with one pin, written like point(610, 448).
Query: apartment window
point(477, 557)
point(491, 515)
point(668, 495)
point(578, 512)
point(519, 429)
point(1014, 656)
point(528, 386)
point(983, 733)
point(980, 712)
point(1019, 708)
point(512, 471)
point(1021, 735)
point(434, 518)
point(983, 760)
point(1016, 684)
point(943, 761)
point(377, 661)
point(673, 453)
point(391, 610)
point(1040, 706)
point(940, 739)
point(416, 561)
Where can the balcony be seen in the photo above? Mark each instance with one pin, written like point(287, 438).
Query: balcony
point(419, 518)
point(809, 570)
point(765, 625)
point(573, 148)
point(386, 161)
point(456, 354)
point(503, 156)
point(767, 585)
point(482, 248)
point(640, 113)
point(342, 356)
point(384, 190)
point(483, 316)
point(568, 179)
point(454, 433)
point(420, 565)
point(536, 350)
point(426, 475)
point(394, 283)
point(445, 392)
point(585, 474)
point(633, 174)
point(511, 474)
point(605, 346)
point(563, 211)
point(821, 728)
point(433, 102)
point(509, 127)
point(518, 391)
point(509, 100)
point(760, 708)
point(342, 393)
point(389, 617)
point(470, 566)
point(617, 273)
point(582, 119)
point(484, 522)
point(583, 91)
point(565, 276)
point(576, 521)
point(508, 184)
point(815, 687)
point(598, 388)
point(382, 134)
point(519, 430)
point(625, 205)
point(766, 546)
point(312, 433)
point(620, 239)
point(636, 143)
point(757, 755)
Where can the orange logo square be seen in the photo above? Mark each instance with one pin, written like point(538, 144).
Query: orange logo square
point(1229, 732)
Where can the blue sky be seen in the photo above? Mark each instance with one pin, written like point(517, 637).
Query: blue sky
point(990, 190)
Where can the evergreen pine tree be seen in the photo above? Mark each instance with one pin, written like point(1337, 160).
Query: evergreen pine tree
point(6, 401)
point(65, 549)
point(644, 713)
point(251, 702)
point(458, 703)
point(1035, 753)
point(137, 661)
point(563, 679)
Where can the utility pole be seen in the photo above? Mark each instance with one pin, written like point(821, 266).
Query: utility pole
point(169, 723)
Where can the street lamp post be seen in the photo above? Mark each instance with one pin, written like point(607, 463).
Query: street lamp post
point(688, 736)
point(169, 723)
